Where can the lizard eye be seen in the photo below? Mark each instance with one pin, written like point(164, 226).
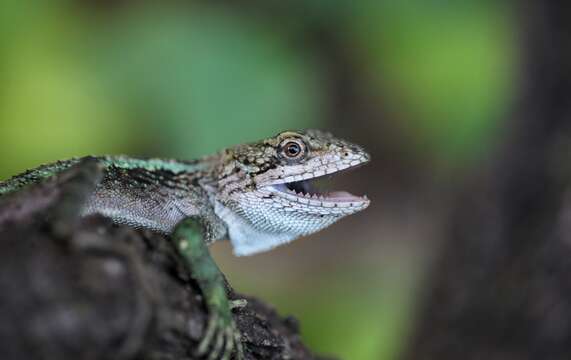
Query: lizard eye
point(293, 149)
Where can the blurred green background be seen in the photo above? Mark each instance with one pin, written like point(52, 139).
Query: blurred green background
point(423, 85)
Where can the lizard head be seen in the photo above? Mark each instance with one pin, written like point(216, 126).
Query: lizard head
point(266, 195)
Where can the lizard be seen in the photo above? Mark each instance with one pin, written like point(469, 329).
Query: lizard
point(258, 195)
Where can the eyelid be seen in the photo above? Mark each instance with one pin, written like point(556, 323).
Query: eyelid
point(297, 141)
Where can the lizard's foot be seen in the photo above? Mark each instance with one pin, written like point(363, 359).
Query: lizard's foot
point(223, 337)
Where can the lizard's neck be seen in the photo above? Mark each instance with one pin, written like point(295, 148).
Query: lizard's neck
point(246, 235)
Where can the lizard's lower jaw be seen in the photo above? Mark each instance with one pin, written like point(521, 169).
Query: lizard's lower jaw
point(327, 200)
point(302, 192)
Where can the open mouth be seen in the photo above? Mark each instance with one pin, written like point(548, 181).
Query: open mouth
point(306, 191)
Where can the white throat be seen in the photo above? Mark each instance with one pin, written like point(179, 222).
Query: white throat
point(246, 239)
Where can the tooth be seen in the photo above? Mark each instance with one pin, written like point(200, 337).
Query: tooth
point(291, 197)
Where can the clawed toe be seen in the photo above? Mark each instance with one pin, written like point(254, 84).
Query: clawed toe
point(222, 339)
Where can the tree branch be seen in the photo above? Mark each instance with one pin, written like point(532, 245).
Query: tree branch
point(86, 289)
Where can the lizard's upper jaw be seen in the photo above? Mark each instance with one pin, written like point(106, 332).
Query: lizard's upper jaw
point(300, 189)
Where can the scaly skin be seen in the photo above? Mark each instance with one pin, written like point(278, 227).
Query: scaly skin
point(257, 195)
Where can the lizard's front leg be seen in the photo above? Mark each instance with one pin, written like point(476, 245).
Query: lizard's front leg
point(221, 333)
